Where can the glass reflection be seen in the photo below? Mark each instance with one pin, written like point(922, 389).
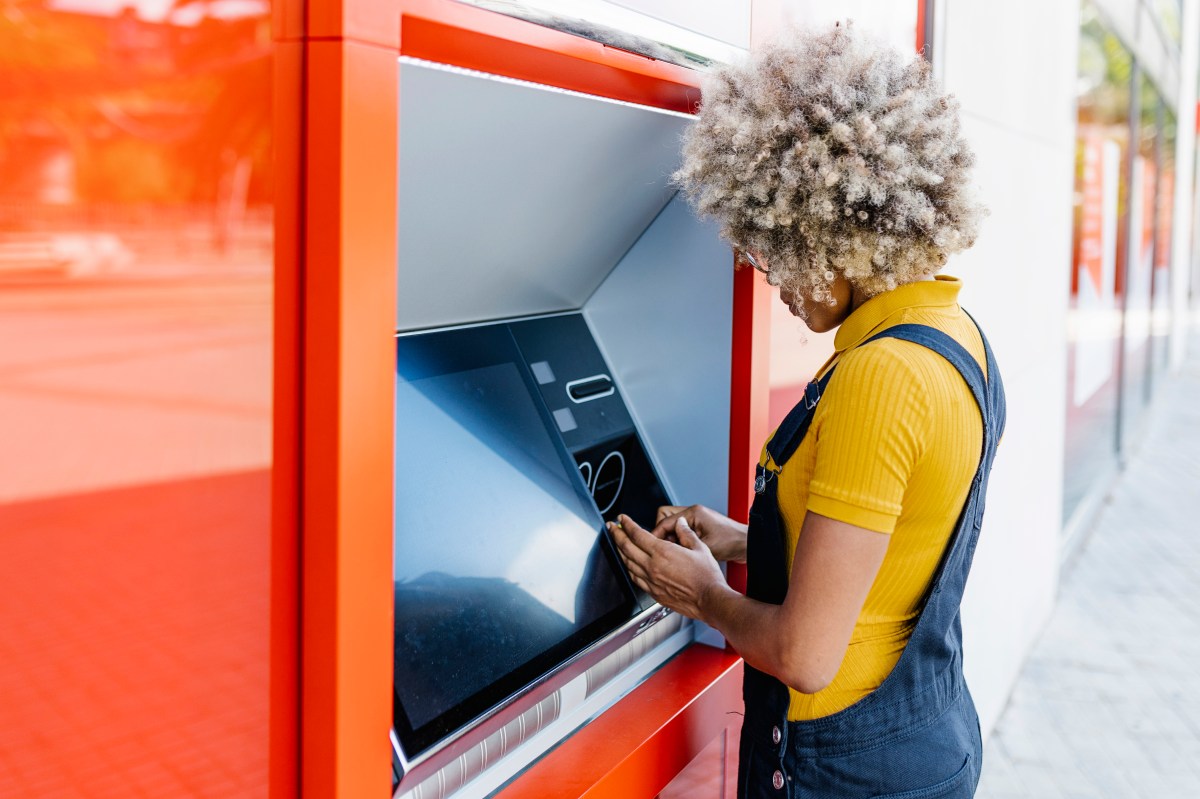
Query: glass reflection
point(1145, 186)
point(478, 466)
point(1160, 322)
point(1102, 199)
point(1168, 15)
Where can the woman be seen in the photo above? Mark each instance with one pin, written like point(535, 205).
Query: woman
point(836, 167)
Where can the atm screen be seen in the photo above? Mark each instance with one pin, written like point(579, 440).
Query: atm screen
point(501, 566)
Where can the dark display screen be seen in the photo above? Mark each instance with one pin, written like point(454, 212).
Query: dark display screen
point(501, 566)
point(620, 480)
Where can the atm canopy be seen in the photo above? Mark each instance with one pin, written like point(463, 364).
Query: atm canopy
point(516, 198)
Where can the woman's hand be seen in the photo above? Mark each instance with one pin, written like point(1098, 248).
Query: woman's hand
point(721, 534)
point(678, 574)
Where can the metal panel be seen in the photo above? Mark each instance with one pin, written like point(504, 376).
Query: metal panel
point(478, 770)
point(664, 319)
point(677, 31)
point(728, 21)
point(518, 199)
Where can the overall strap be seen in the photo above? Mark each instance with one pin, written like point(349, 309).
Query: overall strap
point(995, 384)
point(988, 393)
point(928, 674)
point(792, 429)
point(989, 396)
point(941, 343)
point(927, 679)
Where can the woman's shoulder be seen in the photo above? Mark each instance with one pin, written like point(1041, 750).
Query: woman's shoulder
point(885, 371)
point(954, 322)
point(891, 370)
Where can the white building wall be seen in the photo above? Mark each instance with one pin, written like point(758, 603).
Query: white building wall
point(894, 21)
point(1181, 235)
point(1012, 67)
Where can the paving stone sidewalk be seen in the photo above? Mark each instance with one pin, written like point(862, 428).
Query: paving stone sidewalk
point(1108, 704)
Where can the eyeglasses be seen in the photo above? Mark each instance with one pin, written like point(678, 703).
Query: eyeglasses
point(746, 257)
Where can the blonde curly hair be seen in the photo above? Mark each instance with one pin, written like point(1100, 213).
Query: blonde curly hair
point(830, 153)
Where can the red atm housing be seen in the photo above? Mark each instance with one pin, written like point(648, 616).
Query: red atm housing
point(340, 312)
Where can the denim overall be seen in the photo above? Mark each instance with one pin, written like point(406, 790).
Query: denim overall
point(917, 735)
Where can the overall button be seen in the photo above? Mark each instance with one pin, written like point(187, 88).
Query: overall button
point(776, 735)
point(777, 780)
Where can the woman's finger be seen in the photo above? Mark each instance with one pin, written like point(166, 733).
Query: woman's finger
point(665, 511)
point(641, 583)
point(629, 548)
point(637, 534)
point(686, 535)
point(665, 527)
point(636, 572)
point(650, 546)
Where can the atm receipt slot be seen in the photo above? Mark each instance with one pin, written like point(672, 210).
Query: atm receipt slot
point(590, 388)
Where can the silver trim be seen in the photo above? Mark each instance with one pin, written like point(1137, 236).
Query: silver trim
point(489, 722)
point(500, 756)
point(499, 320)
point(690, 46)
point(612, 387)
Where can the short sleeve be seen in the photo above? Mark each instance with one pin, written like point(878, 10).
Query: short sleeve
point(869, 431)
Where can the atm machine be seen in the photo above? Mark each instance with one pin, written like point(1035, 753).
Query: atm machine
point(563, 328)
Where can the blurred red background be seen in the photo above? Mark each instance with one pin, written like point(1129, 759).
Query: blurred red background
point(136, 248)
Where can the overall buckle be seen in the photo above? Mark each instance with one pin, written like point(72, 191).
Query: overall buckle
point(812, 395)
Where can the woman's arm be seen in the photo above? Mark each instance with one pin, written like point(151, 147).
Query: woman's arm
point(803, 641)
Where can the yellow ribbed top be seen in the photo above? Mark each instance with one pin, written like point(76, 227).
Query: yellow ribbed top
point(894, 444)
